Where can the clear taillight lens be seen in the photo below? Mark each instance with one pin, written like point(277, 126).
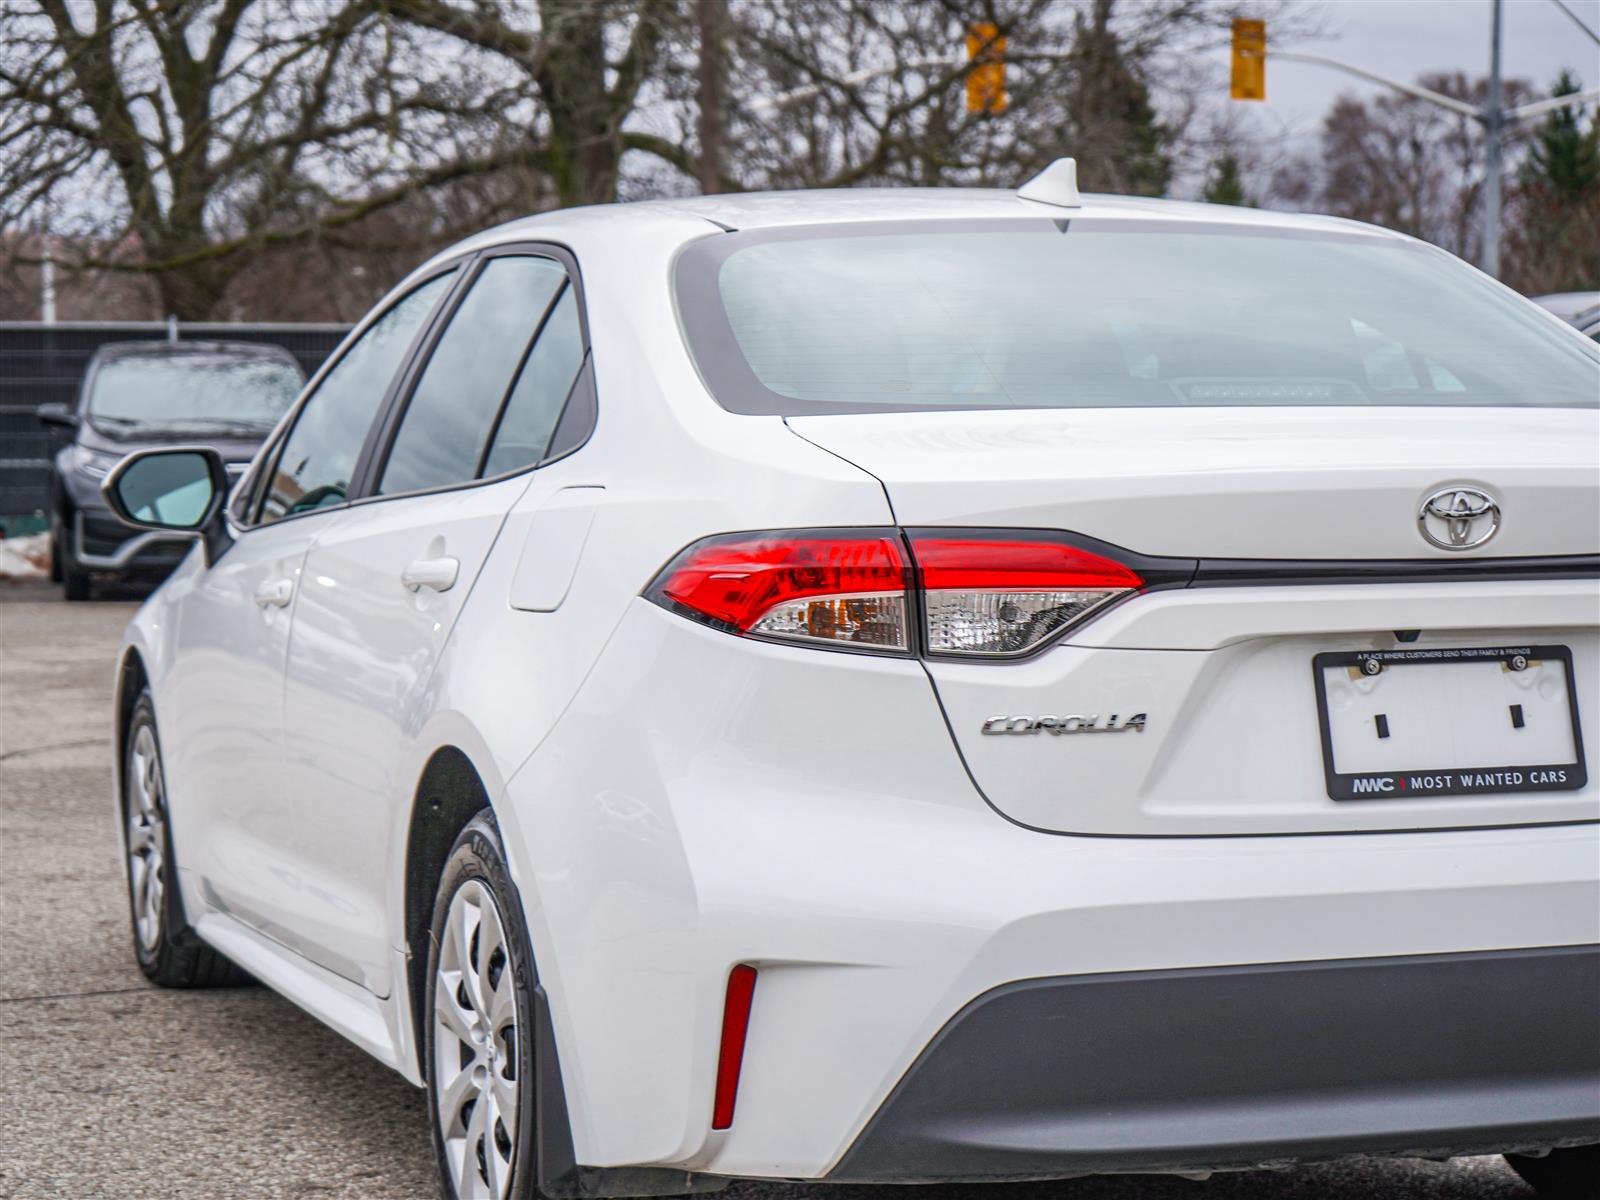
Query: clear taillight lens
point(874, 620)
point(840, 587)
point(1002, 593)
point(1003, 622)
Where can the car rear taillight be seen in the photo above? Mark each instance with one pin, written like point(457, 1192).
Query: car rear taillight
point(845, 587)
point(1002, 593)
point(989, 593)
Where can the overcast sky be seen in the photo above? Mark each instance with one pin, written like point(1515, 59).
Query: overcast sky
point(1406, 38)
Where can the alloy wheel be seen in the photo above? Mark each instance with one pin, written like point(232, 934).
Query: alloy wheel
point(475, 1046)
point(147, 839)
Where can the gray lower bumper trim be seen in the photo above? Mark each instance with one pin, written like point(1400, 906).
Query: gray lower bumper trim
point(1245, 1066)
point(176, 546)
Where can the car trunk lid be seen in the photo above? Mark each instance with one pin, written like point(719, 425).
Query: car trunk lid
point(1264, 502)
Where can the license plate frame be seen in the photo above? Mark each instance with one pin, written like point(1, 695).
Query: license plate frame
point(1447, 780)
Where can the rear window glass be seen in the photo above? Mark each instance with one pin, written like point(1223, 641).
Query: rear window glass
point(1034, 316)
point(195, 392)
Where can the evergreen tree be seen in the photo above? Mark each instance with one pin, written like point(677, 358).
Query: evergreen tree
point(1552, 233)
point(1225, 186)
point(1565, 158)
point(1118, 142)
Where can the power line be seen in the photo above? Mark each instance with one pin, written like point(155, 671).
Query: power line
point(1578, 21)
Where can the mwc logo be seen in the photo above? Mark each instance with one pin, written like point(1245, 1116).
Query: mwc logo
point(1367, 787)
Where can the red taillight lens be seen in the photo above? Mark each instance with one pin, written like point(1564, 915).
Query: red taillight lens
point(730, 1054)
point(1000, 594)
point(1020, 564)
point(845, 587)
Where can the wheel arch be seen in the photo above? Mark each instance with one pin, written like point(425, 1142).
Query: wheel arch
point(449, 793)
point(132, 678)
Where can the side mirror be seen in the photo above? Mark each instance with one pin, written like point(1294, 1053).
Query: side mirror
point(179, 490)
point(57, 414)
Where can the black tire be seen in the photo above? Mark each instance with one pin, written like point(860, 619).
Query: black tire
point(58, 546)
point(171, 954)
point(478, 857)
point(1572, 1174)
point(75, 582)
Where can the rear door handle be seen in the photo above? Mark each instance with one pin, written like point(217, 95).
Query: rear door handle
point(436, 573)
point(276, 594)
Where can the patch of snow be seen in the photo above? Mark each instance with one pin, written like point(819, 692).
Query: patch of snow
point(25, 557)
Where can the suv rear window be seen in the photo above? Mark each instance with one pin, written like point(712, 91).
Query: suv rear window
point(1109, 314)
point(192, 392)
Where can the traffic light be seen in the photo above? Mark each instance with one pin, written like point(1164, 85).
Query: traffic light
point(986, 81)
point(1249, 80)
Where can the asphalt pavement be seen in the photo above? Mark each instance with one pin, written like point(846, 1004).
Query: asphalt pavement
point(112, 1088)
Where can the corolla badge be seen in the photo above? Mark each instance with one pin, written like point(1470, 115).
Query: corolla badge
point(1458, 518)
point(1077, 723)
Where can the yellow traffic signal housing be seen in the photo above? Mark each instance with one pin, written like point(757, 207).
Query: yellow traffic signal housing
point(986, 81)
point(1249, 80)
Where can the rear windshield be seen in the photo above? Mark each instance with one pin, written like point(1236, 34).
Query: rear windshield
point(1027, 314)
point(196, 393)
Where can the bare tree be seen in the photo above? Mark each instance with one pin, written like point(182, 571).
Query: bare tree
point(616, 80)
point(202, 132)
point(584, 63)
point(288, 157)
point(1404, 163)
point(1110, 82)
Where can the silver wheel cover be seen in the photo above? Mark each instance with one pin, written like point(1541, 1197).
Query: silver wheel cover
point(475, 1046)
point(147, 873)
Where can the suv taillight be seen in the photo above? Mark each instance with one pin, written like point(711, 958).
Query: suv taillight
point(989, 593)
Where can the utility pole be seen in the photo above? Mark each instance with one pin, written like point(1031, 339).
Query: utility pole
point(710, 14)
point(47, 282)
point(1249, 83)
point(1494, 118)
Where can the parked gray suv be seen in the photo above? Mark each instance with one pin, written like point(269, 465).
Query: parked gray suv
point(227, 395)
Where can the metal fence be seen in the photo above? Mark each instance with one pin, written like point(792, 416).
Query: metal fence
point(40, 364)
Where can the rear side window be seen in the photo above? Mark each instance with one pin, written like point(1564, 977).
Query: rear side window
point(1026, 314)
point(319, 455)
point(193, 392)
point(447, 425)
point(540, 392)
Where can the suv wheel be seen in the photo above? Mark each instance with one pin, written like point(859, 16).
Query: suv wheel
point(1572, 1174)
point(168, 950)
point(479, 1038)
point(58, 546)
point(64, 566)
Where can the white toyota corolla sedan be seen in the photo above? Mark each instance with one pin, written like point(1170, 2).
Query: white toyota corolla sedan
point(904, 686)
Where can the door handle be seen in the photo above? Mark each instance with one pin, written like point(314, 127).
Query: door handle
point(276, 594)
point(436, 573)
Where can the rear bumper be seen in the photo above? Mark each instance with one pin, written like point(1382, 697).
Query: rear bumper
point(707, 801)
point(1242, 1066)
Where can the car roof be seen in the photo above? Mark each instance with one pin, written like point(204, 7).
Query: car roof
point(687, 219)
point(767, 210)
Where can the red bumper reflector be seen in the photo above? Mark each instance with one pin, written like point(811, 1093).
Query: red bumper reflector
point(730, 1058)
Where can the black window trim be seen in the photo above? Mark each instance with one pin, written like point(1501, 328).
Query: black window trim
point(385, 428)
point(254, 490)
